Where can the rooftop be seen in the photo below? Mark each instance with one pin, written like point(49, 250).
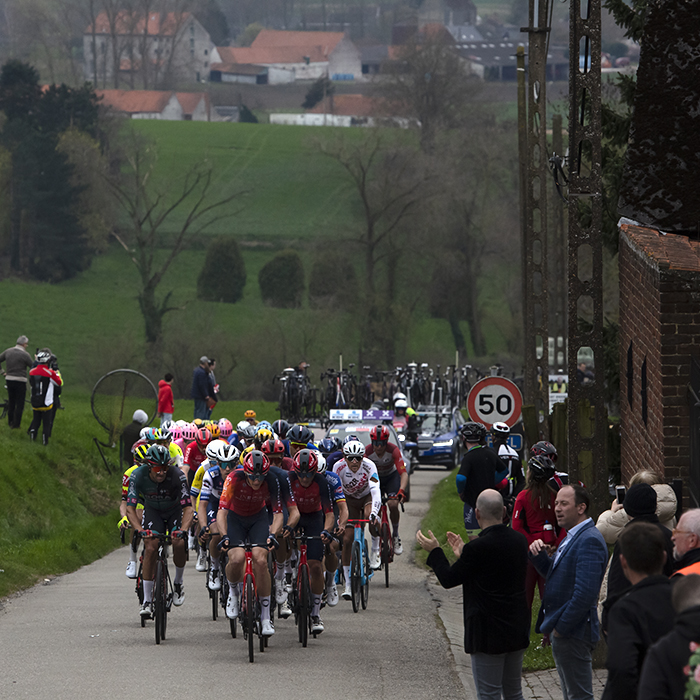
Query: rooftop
point(668, 251)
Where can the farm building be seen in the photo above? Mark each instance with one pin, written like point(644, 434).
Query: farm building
point(158, 104)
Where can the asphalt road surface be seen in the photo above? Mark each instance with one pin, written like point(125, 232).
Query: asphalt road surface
point(79, 637)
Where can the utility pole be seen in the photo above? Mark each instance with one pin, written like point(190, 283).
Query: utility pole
point(587, 413)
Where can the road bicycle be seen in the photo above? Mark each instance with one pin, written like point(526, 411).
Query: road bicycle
point(360, 570)
point(301, 590)
point(162, 586)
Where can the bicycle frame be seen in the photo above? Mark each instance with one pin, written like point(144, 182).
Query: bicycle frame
point(359, 565)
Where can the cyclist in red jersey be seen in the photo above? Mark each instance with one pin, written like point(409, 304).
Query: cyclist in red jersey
point(393, 480)
point(243, 516)
point(313, 498)
point(195, 453)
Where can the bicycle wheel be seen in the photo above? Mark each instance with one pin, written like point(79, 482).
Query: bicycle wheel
point(159, 600)
point(355, 575)
point(386, 552)
point(249, 608)
point(364, 589)
point(304, 605)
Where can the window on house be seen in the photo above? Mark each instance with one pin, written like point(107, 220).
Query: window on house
point(196, 76)
point(192, 43)
point(206, 52)
point(630, 375)
point(644, 390)
point(206, 63)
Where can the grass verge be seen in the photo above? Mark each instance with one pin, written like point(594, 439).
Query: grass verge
point(446, 513)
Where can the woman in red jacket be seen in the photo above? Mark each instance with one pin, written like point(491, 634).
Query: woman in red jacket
point(533, 515)
point(165, 399)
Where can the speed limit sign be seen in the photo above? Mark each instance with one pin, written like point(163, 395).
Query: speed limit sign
point(495, 399)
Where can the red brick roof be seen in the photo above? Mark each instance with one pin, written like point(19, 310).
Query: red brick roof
point(135, 101)
point(268, 55)
point(189, 101)
point(270, 38)
point(667, 251)
point(125, 23)
point(347, 105)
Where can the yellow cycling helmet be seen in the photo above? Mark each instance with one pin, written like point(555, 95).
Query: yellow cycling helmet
point(214, 429)
point(140, 453)
point(198, 422)
point(250, 414)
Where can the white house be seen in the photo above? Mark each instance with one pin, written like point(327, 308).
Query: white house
point(158, 104)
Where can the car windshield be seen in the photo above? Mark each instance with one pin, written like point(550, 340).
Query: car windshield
point(435, 423)
point(361, 431)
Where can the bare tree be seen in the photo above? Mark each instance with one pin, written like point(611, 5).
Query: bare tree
point(149, 209)
point(390, 181)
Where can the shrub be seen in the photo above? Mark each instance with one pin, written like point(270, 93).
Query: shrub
point(246, 116)
point(281, 280)
point(324, 290)
point(223, 274)
point(319, 90)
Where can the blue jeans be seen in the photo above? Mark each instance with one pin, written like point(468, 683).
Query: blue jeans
point(498, 673)
point(200, 409)
point(574, 665)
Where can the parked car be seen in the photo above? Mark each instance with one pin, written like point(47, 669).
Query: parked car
point(438, 436)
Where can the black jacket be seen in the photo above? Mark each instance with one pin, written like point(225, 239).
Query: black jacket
point(478, 473)
point(662, 674)
point(617, 581)
point(640, 617)
point(492, 571)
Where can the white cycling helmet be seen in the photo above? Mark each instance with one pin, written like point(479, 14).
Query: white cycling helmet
point(321, 462)
point(502, 428)
point(399, 395)
point(354, 448)
point(227, 453)
point(142, 433)
point(212, 449)
point(140, 416)
point(400, 403)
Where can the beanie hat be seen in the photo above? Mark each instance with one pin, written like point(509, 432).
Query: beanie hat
point(640, 500)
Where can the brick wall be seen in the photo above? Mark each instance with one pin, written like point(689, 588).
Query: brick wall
point(660, 317)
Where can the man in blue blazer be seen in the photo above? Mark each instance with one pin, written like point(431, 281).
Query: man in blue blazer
point(573, 575)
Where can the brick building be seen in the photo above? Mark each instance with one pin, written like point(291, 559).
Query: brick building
point(660, 355)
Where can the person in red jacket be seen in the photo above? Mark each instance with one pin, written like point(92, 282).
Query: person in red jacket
point(533, 515)
point(165, 399)
point(43, 381)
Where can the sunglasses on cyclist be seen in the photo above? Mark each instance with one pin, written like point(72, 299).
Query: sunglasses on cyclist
point(158, 469)
point(353, 459)
point(379, 442)
point(256, 477)
point(299, 444)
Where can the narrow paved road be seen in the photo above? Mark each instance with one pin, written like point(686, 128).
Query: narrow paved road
point(80, 637)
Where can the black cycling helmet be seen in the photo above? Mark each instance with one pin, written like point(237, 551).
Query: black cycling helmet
point(327, 446)
point(544, 448)
point(300, 435)
point(280, 428)
point(473, 432)
point(542, 468)
point(158, 456)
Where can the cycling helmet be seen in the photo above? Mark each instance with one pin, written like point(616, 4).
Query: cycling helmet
point(213, 449)
point(140, 416)
point(326, 446)
point(264, 424)
point(241, 426)
point(43, 357)
point(198, 423)
point(213, 428)
point(158, 456)
point(354, 448)
point(500, 428)
point(163, 434)
point(299, 435)
point(249, 414)
point(401, 403)
point(306, 462)
point(398, 396)
point(140, 453)
point(167, 425)
point(273, 446)
point(203, 437)
point(152, 434)
point(321, 462)
point(280, 427)
point(473, 432)
point(142, 433)
point(189, 431)
point(544, 448)
point(225, 427)
point(379, 433)
point(227, 456)
point(263, 434)
point(248, 433)
point(349, 438)
point(176, 432)
point(256, 463)
point(541, 468)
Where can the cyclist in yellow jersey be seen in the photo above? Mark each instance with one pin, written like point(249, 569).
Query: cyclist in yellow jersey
point(124, 524)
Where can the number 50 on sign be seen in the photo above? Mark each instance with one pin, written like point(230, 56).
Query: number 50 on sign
point(495, 399)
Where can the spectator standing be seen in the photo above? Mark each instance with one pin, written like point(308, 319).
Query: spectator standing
point(663, 676)
point(166, 404)
point(686, 543)
point(643, 614)
point(212, 376)
point(130, 435)
point(17, 361)
point(573, 575)
point(202, 390)
point(43, 381)
point(491, 569)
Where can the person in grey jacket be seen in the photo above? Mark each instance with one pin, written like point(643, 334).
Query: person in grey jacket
point(17, 361)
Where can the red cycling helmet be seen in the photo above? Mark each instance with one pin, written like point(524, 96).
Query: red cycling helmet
point(256, 463)
point(203, 437)
point(306, 462)
point(380, 433)
point(273, 447)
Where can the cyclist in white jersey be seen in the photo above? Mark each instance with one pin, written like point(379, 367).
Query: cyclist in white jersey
point(360, 481)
